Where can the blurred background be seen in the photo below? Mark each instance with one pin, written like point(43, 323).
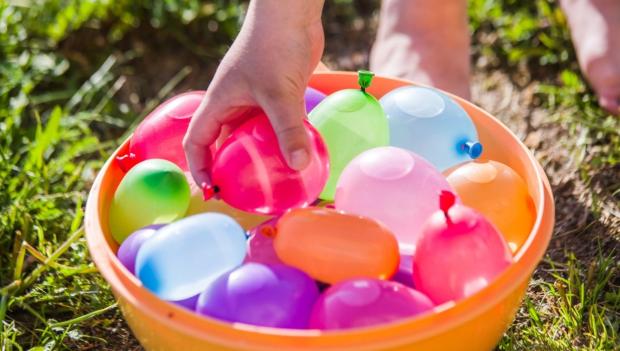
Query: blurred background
point(77, 76)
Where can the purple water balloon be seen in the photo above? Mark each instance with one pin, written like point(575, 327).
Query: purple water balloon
point(404, 274)
point(266, 295)
point(313, 97)
point(260, 245)
point(364, 302)
point(189, 303)
point(128, 250)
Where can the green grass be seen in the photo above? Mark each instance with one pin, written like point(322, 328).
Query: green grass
point(62, 113)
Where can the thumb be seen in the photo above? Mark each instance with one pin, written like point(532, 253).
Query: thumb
point(286, 112)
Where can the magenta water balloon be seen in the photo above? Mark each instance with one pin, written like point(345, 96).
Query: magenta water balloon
point(260, 244)
point(128, 250)
point(250, 173)
point(265, 295)
point(460, 253)
point(312, 98)
point(365, 302)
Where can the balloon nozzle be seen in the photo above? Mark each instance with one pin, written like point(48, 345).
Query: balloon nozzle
point(209, 191)
point(364, 78)
point(473, 149)
point(268, 231)
point(447, 199)
point(126, 161)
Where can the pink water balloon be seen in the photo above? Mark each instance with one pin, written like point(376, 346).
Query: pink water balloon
point(394, 186)
point(161, 133)
point(250, 173)
point(364, 302)
point(260, 244)
point(460, 253)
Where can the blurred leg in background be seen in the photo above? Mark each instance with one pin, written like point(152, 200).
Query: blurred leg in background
point(595, 29)
point(426, 41)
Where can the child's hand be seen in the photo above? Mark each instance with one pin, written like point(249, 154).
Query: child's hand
point(268, 66)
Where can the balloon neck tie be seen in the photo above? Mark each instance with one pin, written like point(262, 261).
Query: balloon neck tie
point(473, 149)
point(364, 78)
point(126, 161)
point(209, 191)
point(446, 201)
point(268, 231)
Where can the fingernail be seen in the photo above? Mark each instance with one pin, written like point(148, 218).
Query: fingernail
point(298, 159)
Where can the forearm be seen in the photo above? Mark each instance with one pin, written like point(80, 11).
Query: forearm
point(285, 13)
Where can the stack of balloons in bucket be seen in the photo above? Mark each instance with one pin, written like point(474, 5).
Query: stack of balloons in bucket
point(392, 217)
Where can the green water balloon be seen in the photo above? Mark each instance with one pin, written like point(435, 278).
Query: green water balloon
point(350, 121)
point(152, 192)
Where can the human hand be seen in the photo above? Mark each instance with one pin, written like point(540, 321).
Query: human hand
point(268, 67)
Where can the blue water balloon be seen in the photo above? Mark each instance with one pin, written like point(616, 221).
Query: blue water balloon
point(186, 255)
point(431, 124)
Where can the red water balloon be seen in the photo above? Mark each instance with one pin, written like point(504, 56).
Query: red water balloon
point(160, 135)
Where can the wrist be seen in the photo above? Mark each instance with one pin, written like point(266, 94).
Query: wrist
point(289, 14)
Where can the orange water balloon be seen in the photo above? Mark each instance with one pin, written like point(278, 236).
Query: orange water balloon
point(333, 246)
point(500, 194)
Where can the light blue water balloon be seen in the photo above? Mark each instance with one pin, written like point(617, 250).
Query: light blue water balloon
point(186, 255)
point(431, 124)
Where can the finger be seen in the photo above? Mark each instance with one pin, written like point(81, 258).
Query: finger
point(203, 130)
point(235, 122)
point(286, 113)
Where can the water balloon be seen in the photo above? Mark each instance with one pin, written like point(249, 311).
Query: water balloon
point(431, 124)
point(266, 295)
point(393, 186)
point(365, 302)
point(332, 246)
point(500, 194)
point(152, 192)
point(250, 173)
point(460, 253)
point(350, 121)
point(187, 255)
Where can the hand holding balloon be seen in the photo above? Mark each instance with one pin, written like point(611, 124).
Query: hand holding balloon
point(254, 73)
point(250, 174)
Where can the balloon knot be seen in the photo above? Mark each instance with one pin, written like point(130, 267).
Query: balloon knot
point(364, 78)
point(473, 149)
point(446, 201)
point(209, 191)
point(126, 161)
point(268, 231)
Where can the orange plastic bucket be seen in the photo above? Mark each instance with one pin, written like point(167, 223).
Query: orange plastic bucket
point(474, 323)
